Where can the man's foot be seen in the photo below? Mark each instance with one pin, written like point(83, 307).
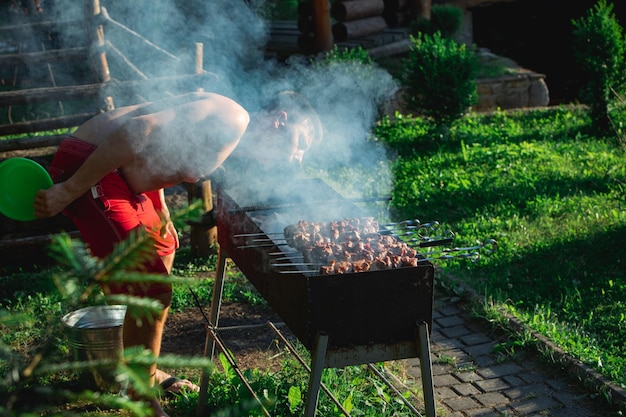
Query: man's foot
point(174, 385)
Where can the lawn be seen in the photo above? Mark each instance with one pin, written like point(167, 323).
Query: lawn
point(553, 196)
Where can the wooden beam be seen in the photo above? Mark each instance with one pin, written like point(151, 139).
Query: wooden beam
point(38, 126)
point(51, 56)
point(47, 94)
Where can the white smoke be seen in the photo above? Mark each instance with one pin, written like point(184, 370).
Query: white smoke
point(234, 33)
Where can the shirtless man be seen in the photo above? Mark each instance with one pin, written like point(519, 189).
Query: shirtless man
point(110, 174)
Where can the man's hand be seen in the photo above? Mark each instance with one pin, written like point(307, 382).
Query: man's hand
point(168, 228)
point(52, 201)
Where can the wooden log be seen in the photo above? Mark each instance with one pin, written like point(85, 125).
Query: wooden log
point(345, 11)
point(34, 142)
point(51, 56)
point(323, 40)
point(32, 240)
point(394, 48)
point(41, 125)
point(125, 60)
point(305, 24)
point(101, 64)
point(397, 18)
point(422, 8)
point(306, 43)
point(47, 94)
point(396, 5)
point(203, 237)
point(358, 28)
point(43, 25)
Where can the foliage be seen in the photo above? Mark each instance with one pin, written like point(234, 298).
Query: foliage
point(552, 195)
point(444, 18)
point(284, 393)
point(440, 77)
point(25, 374)
point(347, 55)
point(599, 48)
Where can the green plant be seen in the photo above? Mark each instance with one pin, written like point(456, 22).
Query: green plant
point(26, 373)
point(599, 48)
point(440, 77)
point(444, 18)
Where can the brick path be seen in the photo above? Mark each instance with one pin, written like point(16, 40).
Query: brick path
point(473, 380)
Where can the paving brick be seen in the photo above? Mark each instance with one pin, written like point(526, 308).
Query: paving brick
point(442, 369)
point(512, 380)
point(455, 331)
point(532, 376)
point(445, 380)
point(461, 403)
point(467, 376)
point(485, 361)
point(449, 310)
point(482, 412)
point(480, 350)
point(493, 384)
point(445, 392)
point(499, 370)
point(490, 399)
point(449, 343)
point(450, 321)
point(465, 389)
point(527, 391)
point(533, 406)
point(475, 339)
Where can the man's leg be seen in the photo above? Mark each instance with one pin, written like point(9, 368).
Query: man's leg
point(148, 333)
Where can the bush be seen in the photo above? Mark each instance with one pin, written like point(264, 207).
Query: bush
point(599, 48)
point(440, 75)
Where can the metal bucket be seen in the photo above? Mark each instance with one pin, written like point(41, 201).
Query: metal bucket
point(95, 333)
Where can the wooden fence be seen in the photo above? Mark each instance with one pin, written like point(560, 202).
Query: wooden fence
point(36, 74)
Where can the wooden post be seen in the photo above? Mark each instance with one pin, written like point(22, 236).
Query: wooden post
point(204, 233)
point(102, 65)
point(421, 8)
point(321, 23)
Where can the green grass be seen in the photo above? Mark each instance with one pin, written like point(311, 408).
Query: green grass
point(552, 195)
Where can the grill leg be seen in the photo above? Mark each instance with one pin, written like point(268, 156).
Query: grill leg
point(426, 370)
point(209, 343)
point(315, 379)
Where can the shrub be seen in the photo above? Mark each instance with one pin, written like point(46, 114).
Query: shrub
point(599, 48)
point(440, 75)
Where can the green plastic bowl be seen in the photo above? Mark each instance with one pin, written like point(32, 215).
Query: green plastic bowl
point(20, 180)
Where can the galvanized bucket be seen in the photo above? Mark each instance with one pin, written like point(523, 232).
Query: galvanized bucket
point(96, 333)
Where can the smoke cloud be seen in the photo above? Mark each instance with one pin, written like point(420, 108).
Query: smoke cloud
point(347, 95)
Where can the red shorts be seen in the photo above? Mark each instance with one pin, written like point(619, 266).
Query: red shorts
point(107, 213)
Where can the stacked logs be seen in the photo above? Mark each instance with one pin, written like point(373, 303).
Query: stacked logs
point(357, 18)
point(398, 12)
point(354, 19)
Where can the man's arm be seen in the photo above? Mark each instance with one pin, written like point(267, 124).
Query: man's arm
point(114, 152)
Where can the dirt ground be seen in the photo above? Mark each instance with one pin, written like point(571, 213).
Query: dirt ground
point(254, 346)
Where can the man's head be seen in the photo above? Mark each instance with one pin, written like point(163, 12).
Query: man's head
point(295, 123)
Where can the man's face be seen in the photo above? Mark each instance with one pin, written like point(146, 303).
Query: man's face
point(285, 141)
